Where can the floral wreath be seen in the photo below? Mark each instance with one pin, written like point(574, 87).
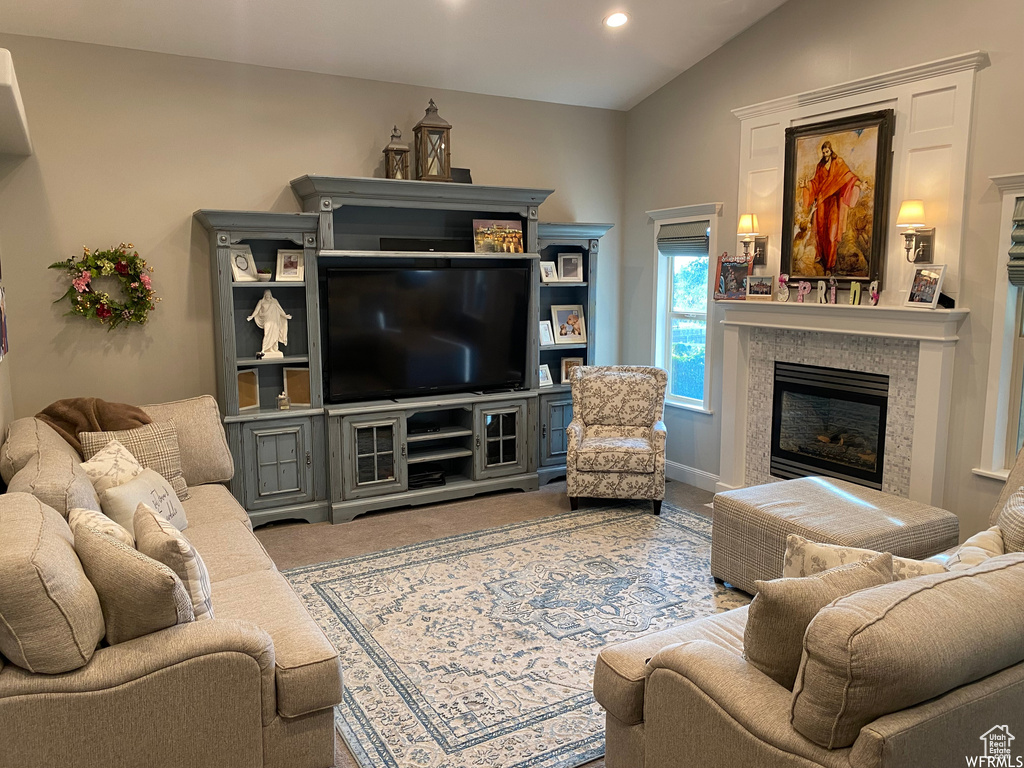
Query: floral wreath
point(122, 262)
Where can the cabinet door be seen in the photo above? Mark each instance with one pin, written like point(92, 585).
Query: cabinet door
point(500, 439)
point(374, 456)
point(555, 415)
point(278, 459)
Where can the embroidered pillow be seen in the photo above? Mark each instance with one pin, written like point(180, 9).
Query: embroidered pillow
point(99, 522)
point(160, 540)
point(119, 503)
point(154, 445)
point(112, 466)
point(805, 557)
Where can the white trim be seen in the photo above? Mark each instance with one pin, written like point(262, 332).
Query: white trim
point(688, 406)
point(691, 476)
point(1008, 182)
point(1002, 475)
point(974, 60)
point(683, 211)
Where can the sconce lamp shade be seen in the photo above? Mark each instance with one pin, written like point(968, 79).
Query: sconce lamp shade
point(748, 225)
point(911, 214)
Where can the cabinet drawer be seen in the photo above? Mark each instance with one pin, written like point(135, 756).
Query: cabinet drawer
point(277, 463)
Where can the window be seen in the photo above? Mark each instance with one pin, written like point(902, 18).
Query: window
point(684, 246)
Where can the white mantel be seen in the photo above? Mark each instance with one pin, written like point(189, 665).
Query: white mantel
point(935, 331)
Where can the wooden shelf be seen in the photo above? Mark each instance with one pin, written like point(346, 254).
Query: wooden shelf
point(438, 455)
point(246, 362)
point(271, 284)
point(566, 284)
point(441, 434)
point(549, 347)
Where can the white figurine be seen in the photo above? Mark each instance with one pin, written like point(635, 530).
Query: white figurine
point(272, 319)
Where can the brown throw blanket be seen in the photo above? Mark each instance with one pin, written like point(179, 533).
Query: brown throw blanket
point(90, 414)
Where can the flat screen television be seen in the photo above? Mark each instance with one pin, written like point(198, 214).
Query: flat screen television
point(401, 331)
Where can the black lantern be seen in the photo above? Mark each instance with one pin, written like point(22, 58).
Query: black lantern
point(396, 157)
point(433, 153)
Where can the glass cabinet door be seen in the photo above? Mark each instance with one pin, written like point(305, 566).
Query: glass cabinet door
point(500, 439)
point(374, 456)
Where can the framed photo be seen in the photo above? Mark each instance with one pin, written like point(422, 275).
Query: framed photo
point(759, 287)
point(545, 376)
point(547, 336)
point(570, 267)
point(568, 363)
point(925, 286)
point(496, 236)
point(835, 203)
point(548, 272)
point(248, 389)
point(291, 267)
point(730, 282)
point(296, 386)
point(568, 323)
point(243, 266)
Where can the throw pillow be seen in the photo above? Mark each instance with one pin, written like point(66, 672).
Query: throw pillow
point(160, 540)
point(99, 522)
point(138, 595)
point(119, 503)
point(977, 549)
point(1011, 522)
point(805, 557)
point(782, 609)
point(113, 465)
point(154, 445)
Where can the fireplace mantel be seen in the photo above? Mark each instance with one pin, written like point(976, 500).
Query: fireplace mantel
point(935, 332)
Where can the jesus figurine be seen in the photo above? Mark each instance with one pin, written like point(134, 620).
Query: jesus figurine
point(272, 319)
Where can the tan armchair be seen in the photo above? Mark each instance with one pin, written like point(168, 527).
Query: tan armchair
point(616, 437)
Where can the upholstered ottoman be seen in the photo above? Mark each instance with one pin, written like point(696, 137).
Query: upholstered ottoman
point(748, 537)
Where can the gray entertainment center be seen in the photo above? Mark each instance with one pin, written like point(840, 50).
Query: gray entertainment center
point(326, 460)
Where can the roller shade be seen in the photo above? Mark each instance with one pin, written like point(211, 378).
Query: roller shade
point(687, 239)
point(1016, 265)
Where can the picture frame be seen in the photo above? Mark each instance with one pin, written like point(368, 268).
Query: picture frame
point(548, 272)
point(731, 277)
point(248, 389)
point(925, 286)
point(570, 268)
point(760, 287)
point(547, 334)
point(497, 236)
point(545, 376)
point(835, 204)
point(568, 363)
point(243, 266)
point(568, 324)
point(296, 386)
point(291, 267)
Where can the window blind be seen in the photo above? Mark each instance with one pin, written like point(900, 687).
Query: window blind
point(1016, 266)
point(690, 239)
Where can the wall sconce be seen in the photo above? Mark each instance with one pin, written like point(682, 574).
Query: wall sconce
point(917, 238)
point(748, 228)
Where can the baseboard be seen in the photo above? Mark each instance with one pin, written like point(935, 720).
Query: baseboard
point(723, 487)
point(697, 477)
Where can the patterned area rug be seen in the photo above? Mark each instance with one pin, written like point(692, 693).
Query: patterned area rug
point(479, 649)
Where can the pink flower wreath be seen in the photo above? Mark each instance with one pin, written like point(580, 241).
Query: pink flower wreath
point(130, 269)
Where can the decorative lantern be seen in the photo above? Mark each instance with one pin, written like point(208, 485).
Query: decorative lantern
point(396, 157)
point(433, 152)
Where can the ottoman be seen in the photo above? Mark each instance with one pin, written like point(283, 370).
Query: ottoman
point(748, 535)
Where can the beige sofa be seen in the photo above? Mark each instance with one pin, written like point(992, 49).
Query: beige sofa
point(254, 686)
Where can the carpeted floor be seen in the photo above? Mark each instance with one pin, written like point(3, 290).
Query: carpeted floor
point(292, 545)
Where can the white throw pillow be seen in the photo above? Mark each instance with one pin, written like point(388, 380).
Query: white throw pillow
point(977, 549)
point(805, 557)
point(119, 503)
point(161, 541)
point(97, 521)
point(114, 465)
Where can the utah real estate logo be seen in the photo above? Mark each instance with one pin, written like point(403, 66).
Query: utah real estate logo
point(998, 750)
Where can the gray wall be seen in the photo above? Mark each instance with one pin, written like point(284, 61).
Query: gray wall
point(128, 144)
point(683, 148)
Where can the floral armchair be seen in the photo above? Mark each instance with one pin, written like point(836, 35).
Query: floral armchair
point(617, 437)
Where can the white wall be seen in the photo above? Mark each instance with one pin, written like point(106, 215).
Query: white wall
point(683, 149)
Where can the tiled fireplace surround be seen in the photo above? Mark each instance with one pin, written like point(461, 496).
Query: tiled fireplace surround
point(914, 347)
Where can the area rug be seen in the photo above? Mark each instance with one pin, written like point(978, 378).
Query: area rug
point(479, 649)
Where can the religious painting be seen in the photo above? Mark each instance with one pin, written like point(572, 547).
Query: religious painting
point(836, 198)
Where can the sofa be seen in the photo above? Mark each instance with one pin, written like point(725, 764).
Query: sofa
point(253, 686)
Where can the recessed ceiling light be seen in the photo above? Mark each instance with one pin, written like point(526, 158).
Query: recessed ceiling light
point(616, 20)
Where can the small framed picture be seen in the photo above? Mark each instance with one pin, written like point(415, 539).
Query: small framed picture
point(759, 287)
point(568, 324)
point(243, 266)
point(925, 286)
point(570, 267)
point(296, 386)
point(545, 376)
point(291, 266)
point(547, 336)
point(248, 389)
point(730, 282)
point(497, 236)
point(548, 272)
point(568, 363)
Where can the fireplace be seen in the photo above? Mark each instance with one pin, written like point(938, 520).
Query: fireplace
point(827, 421)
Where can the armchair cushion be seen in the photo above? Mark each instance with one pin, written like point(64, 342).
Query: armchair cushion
point(616, 454)
point(619, 396)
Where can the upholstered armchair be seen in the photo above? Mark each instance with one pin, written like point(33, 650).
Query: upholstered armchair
point(617, 437)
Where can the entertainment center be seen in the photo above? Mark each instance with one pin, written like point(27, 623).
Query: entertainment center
point(419, 356)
